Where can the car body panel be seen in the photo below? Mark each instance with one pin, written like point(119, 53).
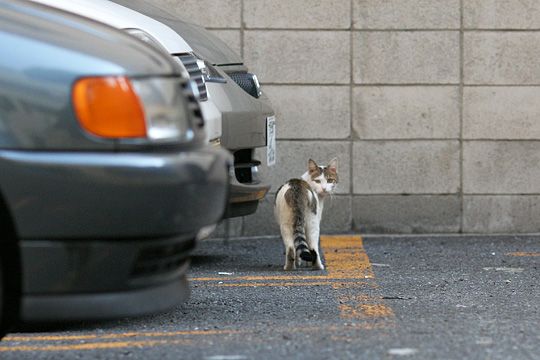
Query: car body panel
point(48, 203)
point(244, 117)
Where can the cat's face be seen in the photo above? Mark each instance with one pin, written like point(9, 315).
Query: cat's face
point(322, 179)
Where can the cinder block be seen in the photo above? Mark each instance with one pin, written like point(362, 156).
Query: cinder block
point(292, 161)
point(406, 14)
point(337, 217)
point(417, 57)
point(311, 112)
point(231, 38)
point(501, 14)
point(393, 112)
point(501, 214)
point(501, 167)
point(297, 14)
point(501, 112)
point(505, 58)
point(406, 214)
point(406, 167)
point(310, 57)
point(207, 13)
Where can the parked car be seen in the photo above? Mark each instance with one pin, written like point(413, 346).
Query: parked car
point(146, 29)
point(246, 117)
point(105, 180)
point(248, 120)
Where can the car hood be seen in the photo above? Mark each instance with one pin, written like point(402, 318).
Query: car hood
point(205, 44)
point(122, 17)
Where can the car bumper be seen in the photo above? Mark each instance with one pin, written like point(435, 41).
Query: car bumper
point(59, 195)
point(244, 198)
point(105, 235)
point(96, 279)
point(243, 116)
point(244, 123)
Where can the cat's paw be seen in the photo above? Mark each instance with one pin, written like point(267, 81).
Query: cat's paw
point(318, 266)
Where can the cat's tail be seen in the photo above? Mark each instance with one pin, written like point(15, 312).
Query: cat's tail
point(302, 249)
point(299, 234)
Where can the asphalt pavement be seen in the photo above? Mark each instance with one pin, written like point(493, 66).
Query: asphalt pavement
point(428, 297)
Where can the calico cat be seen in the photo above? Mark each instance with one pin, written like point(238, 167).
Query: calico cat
point(298, 210)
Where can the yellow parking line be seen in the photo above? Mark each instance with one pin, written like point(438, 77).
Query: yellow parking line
point(277, 284)
point(346, 256)
point(277, 277)
point(345, 260)
point(519, 253)
point(118, 335)
point(94, 346)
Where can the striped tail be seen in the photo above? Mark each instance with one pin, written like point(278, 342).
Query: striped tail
point(299, 234)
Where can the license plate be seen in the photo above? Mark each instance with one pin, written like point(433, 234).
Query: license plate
point(271, 140)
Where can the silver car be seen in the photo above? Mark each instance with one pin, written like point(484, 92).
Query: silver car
point(248, 120)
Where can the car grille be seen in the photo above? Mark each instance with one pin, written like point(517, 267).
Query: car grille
point(247, 81)
point(193, 104)
point(161, 259)
point(190, 63)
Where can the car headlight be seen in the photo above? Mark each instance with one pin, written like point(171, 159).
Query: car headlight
point(119, 107)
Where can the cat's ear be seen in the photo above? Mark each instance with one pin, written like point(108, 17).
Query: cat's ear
point(312, 166)
point(332, 165)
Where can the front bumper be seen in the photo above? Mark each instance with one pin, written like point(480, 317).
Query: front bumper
point(243, 116)
point(243, 129)
point(105, 235)
point(70, 195)
point(97, 279)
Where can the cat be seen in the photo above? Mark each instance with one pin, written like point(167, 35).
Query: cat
point(298, 210)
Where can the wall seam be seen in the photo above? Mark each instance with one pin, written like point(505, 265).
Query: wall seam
point(461, 82)
point(351, 109)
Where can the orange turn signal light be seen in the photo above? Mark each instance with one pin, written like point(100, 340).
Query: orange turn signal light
point(109, 107)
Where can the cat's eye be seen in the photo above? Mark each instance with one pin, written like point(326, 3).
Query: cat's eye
point(318, 181)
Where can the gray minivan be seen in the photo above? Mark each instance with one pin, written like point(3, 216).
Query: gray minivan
point(105, 177)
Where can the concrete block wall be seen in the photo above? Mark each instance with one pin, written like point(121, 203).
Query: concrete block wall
point(431, 106)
